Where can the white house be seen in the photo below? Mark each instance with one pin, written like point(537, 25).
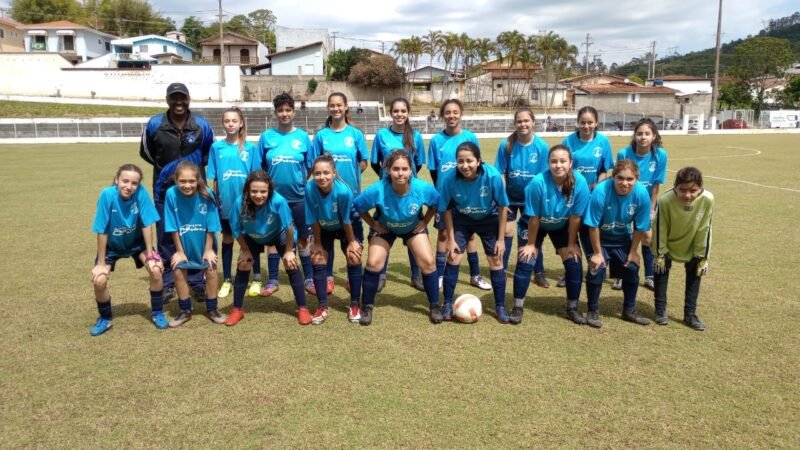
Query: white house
point(141, 51)
point(74, 42)
point(308, 60)
point(288, 38)
point(684, 84)
point(242, 50)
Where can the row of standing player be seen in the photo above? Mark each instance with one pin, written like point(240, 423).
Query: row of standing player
point(443, 159)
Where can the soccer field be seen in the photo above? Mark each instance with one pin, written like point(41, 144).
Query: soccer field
point(401, 382)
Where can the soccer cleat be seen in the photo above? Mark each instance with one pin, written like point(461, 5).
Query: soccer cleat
point(562, 282)
point(417, 283)
point(381, 282)
point(255, 288)
point(354, 313)
point(331, 286)
point(170, 295)
point(270, 288)
point(575, 316)
point(515, 318)
point(303, 316)
point(693, 322)
point(225, 289)
point(320, 315)
point(235, 316)
point(447, 312)
point(633, 316)
point(479, 282)
point(101, 326)
point(160, 320)
point(540, 280)
point(617, 286)
point(593, 319)
point(215, 316)
point(366, 315)
point(436, 314)
point(310, 288)
point(502, 315)
point(649, 283)
point(182, 318)
point(661, 318)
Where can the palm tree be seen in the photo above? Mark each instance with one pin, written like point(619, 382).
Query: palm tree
point(432, 45)
point(485, 48)
point(511, 47)
point(544, 47)
point(564, 56)
point(401, 49)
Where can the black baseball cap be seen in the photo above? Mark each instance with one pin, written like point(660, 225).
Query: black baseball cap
point(177, 88)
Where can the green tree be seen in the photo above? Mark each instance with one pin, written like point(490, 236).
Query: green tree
point(758, 59)
point(734, 95)
point(126, 17)
point(240, 24)
point(432, 45)
point(512, 47)
point(341, 62)
point(379, 71)
point(195, 31)
point(40, 11)
point(790, 96)
point(263, 22)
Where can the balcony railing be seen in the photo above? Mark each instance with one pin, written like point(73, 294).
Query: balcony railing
point(231, 59)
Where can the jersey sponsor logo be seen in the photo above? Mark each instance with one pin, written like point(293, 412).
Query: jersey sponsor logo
point(447, 166)
point(586, 169)
point(484, 191)
point(329, 223)
point(202, 209)
point(614, 226)
point(413, 208)
point(122, 231)
point(233, 173)
point(519, 174)
point(244, 155)
point(282, 159)
point(393, 225)
point(191, 228)
point(342, 158)
point(135, 208)
point(296, 144)
point(348, 141)
point(598, 152)
point(550, 220)
point(472, 210)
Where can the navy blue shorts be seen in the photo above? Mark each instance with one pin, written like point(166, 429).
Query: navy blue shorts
point(512, 212)
point(112, 258)
point(559, 238)
point(328, 237)
point(486, 229)
point(615, 259)
point(438, 222)
point(390, 237)
point(257, 249)
point(225, 224)
point(299, 219)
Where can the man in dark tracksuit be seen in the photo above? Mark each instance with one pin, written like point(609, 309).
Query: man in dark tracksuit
point(168, 139)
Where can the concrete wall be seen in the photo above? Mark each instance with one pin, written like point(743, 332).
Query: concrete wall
point(300, 62)
point(259, 88)
point(47, 74)
point(649, 104)
point(12, 40)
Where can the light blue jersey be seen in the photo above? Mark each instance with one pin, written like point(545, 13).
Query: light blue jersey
point(524, 163)
point(386, 141)
point(230, 169)
point(652, 170)
point(543, 199)
point(122, 220)
point(331, 211)
point(192, 217)
point(442, 150)
point(285, 157)
point(268, 224)
point(613, 214)
point(476, 199)
point(398, 214)
point(347, 148)
point(590, 158)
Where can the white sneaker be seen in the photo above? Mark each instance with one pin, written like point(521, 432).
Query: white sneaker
point(479, 282)
point(617, 286)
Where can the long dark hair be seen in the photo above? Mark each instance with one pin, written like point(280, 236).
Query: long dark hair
point(408, 131)
point(476, 152)
point(202, 188)
point(569, 183)
point(249, 208)
point(329, 120)
point(689, 175)
point(512, 138)
point(656, 136)
point(393, 157)
point(449, 101)
point(592, 111)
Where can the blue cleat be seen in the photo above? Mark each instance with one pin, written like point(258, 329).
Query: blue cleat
point(447, 312)
point(160, 320)
point(100, 327)
point(502, 315)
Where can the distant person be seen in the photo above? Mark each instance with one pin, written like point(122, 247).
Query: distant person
point(432, 117)
point(169, 138)
point(302, 105)
point(360, 109)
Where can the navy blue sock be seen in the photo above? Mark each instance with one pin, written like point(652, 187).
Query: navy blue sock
point(509, 240)
point(104, 309)
point(629, 289)
point(538, 267)
point(227, 260)
point(305, 263)
point(522, 278)
point(498, 286)
point(329, 264)
point(572, 276)
point(211, 304)
point(185, 305)
point(647, 256)
point(413, 263)
point(256, 264)
point(273, 262)
point(354, 276)
point(450, 280)
point(296, 280)
point(369, 286)
point(594, 284)
point(320, 283)
point(474, 264)
point(157, 301)
point(441, 261)
point(239, 288)
point(431, 283)
point(385, 265)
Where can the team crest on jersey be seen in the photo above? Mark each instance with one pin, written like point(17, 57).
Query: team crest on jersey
point(652, 167)
point(413, 208)
point(190, 139)
point(296, 144)
point(202, 209)
point(244, 155)
point(598, 152)
point(484, 191)
point(348, 141)
point(270, 219)
point(534, 158)
point(523, 234)
point(631, 210)
point(135, 208)
point(335, 208)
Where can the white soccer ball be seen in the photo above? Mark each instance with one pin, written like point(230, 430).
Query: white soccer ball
point(467, 308)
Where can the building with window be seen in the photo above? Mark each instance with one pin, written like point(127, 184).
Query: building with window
point(11, 36)
point(76, 43)
point(240, 50)
point(143, 51)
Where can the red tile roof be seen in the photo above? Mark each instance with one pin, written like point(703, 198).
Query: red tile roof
point(624, 88)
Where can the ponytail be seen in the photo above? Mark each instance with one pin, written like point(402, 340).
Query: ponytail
point(329, 120)
point(569, 183)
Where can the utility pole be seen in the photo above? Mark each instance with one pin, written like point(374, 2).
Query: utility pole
point(712, 119)
point(652, 60)
point(221, 56)
point(586, 56)
point(334, 33)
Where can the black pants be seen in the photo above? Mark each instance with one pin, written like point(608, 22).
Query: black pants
point(690, 294)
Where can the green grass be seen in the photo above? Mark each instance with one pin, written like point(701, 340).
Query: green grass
point(13, 109)
point(401, 382)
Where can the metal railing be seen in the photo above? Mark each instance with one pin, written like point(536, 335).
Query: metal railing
point(231, 59)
